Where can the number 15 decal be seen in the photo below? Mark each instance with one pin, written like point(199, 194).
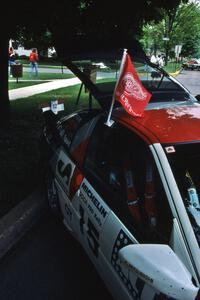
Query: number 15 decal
point(92, 233)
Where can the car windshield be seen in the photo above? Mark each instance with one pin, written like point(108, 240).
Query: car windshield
point(163, 88)
point(185, 161)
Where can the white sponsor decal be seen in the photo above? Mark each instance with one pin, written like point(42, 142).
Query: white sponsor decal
point(132, 280)
point(170, 149)
point(96, 208)
point(64, 170)
point(55, 106)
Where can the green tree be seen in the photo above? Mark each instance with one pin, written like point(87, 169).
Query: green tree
point(28, 38)
point(77, 26)
point(181, 25)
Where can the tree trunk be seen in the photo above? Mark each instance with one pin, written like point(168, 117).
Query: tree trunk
point(4, 98)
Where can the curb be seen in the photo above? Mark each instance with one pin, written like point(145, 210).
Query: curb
point(175, 73)
point(20, 219)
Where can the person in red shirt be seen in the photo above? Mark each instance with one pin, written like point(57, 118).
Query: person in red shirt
point(33, 59)
point(11, 61)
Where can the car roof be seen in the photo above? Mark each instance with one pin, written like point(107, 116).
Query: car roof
point(193, 59)
point(166, 124)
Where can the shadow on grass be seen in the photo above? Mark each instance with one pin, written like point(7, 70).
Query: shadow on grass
point(19, 157)
point(20, 168)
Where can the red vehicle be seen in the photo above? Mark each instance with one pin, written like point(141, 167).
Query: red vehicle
point(192, 64)
point(129, 193)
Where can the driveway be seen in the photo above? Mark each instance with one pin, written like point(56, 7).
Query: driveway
point(191, 80)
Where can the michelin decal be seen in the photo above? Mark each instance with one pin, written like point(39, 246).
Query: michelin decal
point(96, 208)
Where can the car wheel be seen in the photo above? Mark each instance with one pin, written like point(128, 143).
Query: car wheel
point(52, 194)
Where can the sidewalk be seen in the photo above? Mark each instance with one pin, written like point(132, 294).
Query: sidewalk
point(41, 88)
point(16, 223)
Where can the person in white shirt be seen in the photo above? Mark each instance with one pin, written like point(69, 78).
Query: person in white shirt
point(154, 59)
point(160, 61)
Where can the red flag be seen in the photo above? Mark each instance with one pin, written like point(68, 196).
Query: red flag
point(130, 92)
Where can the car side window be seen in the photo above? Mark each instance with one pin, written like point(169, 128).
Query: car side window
point(102, 164)
point(122, 170)
point(151, 216)
point(68, 128)
point(70, 125)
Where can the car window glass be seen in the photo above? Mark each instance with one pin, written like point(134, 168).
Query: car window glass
point(162, 87)
point(184, 160)
point(102, 155)
point(69, 126)
point(150, 216)
point(121, 168)
point(152, 78)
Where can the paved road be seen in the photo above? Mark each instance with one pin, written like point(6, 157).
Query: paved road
point(50, 70)
point(100, 74)
point(191, 80)
point(48, 264)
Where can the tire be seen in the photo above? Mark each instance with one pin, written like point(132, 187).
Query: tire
point(52, 194)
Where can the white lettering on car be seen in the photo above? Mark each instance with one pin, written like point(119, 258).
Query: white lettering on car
point(92, 233)
point(64, 170)
point(94, 200)
point(96, 208)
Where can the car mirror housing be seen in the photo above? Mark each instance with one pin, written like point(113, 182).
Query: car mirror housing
point(159, 267)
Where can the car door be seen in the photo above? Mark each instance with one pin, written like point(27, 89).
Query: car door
point(65, 161)
point(120, 201)
point(103, 219)
point(91, 204)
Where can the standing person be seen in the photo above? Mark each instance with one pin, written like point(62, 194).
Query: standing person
point(160, 61)
point(11, 59)
point(154, 59)
point(33, 58)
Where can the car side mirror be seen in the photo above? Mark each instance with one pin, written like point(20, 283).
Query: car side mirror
point(197, 97)
point(55, 106)
point(159, 267)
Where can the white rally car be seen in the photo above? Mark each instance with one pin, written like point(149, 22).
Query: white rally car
point(129, 193)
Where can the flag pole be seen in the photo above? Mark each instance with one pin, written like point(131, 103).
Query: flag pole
point(109, 122)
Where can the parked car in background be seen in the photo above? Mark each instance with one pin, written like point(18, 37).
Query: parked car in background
point(100, 65)
point(192, 64)
point(129, 192)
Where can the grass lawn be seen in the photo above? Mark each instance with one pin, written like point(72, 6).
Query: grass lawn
point(45, 76)
point(19, 143)
point(172, 67)
point(26, 80)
